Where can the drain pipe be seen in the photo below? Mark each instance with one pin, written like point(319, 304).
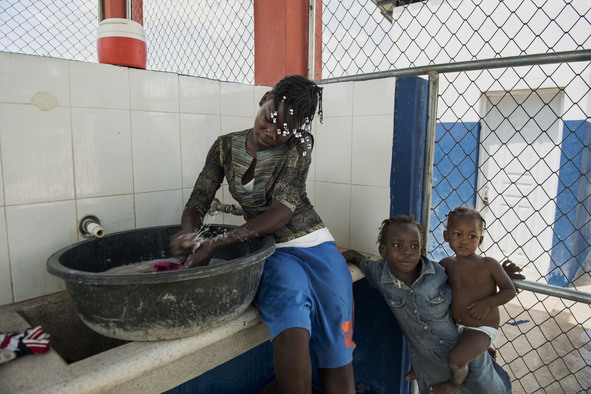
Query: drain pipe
point(90, 226)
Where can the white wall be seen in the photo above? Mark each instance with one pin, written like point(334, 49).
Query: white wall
point(127, 145)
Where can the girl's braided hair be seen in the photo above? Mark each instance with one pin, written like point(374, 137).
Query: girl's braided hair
point(301, 95)
point(465, 212)
point(400, 219)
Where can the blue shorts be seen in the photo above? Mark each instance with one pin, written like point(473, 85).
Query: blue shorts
point(310, 288)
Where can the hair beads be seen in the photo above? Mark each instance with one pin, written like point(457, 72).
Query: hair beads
point(300, 98)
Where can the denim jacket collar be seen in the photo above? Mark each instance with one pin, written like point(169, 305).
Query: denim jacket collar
point(388, 276)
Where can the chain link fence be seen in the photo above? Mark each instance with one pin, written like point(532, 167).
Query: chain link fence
point(215, 38)
point(511, 140)
point(361, 37)
point(514, 143)
point(212, 39)
point(61, 28)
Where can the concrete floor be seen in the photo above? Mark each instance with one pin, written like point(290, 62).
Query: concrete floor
point(548, 351)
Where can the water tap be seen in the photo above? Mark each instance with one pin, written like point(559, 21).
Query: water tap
point(218, 206)
point(90, 226)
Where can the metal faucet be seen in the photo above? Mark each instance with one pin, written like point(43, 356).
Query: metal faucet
point(218, 206)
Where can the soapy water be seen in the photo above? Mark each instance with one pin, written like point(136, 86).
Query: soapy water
point(148, 266)
point(195, 240)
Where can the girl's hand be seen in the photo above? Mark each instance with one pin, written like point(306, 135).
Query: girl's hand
point(478, 309)
point(512, 270)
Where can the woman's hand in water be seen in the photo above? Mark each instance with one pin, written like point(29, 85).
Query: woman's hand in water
point(181, 244)
point(201, 255)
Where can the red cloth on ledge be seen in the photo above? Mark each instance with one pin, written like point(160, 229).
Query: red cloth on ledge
point(162, 266)
point(31, 341)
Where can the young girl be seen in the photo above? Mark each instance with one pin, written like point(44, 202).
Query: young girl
point(419, 295)
point(475, 304)
point(305, 294)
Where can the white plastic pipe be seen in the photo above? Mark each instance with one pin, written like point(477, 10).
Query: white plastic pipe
point(95, 229)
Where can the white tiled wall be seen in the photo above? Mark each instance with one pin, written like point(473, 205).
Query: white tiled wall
point(127, 145)
point(353, 159)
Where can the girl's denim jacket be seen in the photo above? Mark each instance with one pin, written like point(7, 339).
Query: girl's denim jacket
point(424, 316)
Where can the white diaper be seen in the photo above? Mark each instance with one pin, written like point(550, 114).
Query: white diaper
point(491, 332)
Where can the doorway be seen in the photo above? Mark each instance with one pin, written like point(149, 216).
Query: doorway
point(518, 177)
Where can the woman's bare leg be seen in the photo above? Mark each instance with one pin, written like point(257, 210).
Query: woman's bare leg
point(291, 357)
point(338, 380)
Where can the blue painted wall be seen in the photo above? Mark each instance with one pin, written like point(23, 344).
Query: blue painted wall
point(246, 374)
point(406, 178)
point(572, 231)
point(380, 355)
point(455, 177)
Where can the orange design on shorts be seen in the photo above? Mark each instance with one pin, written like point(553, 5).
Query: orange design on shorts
point(347, 327)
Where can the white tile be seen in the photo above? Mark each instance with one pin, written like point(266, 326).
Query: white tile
point(102, 152)
point(372, 150)
point(337, 99)
point(369, 207)
point(116, 213)
point(259, 92)
point(198, 134)
point(36, 154)
point(236, 123)
point(199, 95)
point(186, 194)
point(333, 150)
point(154, 91)
point(5, 278)
point(158, 208)
point(311, 191)
point(237, 99)
point(24, 76)
point(333, 205)
point(35, 232)
point(156, 151)
point(99, 85)
point(1, 180)
point(374, 97)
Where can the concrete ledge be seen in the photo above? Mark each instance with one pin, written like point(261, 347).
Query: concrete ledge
point(136, 367)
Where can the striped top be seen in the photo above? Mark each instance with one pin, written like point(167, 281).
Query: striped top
point(280, 173)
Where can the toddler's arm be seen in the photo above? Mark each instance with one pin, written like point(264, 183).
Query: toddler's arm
point(479, 309)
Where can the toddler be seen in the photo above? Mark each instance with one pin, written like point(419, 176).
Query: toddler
point(475, 303)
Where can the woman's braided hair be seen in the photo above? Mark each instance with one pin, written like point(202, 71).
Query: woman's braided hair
point(301, 95)
point(400, 219)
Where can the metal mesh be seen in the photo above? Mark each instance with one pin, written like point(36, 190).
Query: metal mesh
point(213, 39)
point(519, 152)
point(513, 142)
point(362, 37)
point(61, 28)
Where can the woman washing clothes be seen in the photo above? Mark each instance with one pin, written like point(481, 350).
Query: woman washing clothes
point(305, 294)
